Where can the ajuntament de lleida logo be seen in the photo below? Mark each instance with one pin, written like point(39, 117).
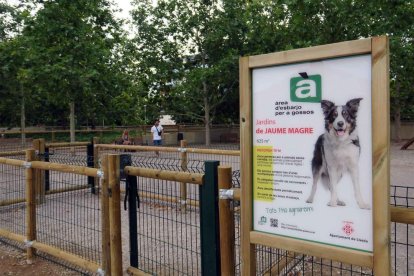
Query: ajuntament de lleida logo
point(306, 88)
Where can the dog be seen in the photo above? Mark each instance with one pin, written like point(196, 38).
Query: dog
point(337, 151)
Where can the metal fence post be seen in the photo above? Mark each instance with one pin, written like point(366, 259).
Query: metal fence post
point(90, 163)
point(131, 194)
point(47, 174)
point(132, 184)
point(95, 162)
point(209, 221)
point(183, 185)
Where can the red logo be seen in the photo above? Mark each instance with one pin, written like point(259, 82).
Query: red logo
point(347, 228)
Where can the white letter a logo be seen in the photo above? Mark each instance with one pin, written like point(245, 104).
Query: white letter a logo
point(305, 89)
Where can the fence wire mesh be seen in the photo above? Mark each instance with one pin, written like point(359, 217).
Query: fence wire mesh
point(271, 261)
point(69, 217)
point(14, 144)
point(168, 236)
point(12, 199)
point(402, 235)
point(69, 154)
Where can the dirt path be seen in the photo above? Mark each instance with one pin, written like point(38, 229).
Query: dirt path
point(13, 262)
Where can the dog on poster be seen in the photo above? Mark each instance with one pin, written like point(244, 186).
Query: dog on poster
point(337, 151)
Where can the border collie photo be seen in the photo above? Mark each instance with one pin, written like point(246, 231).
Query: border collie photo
point(337, 152)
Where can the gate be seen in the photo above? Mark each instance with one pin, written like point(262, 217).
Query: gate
point(168, 236)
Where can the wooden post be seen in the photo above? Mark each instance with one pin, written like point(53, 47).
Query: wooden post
point(381, 155)
point(115, 214)
point(248, 256)
point(53, 136)
point(106, 239)
point(183, 185)
point(30, 205)
point(226, 217)
point(39, 146)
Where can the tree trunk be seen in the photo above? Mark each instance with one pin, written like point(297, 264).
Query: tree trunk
point(72, 121)
point(206, 114)
point(23, 117)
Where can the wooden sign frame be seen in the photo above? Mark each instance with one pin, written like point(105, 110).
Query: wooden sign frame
point(379, 260)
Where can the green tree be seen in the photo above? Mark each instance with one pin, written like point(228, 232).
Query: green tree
point(14, 67)
point(322, 22)
point(188, 55)
point(76, 45)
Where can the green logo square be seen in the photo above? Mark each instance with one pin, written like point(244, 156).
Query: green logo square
point(306, 89)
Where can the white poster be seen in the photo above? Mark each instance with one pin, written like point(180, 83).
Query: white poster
point(312, 151)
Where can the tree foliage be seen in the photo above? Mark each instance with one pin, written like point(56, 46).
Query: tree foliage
point(182, 58)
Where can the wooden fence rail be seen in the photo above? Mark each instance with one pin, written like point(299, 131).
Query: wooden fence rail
point(69, 144)
point(12, 153)
point(194, 178)
point(169, 149)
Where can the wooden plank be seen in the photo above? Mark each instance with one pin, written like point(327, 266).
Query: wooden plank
point(340, 254)
point(30, 204)
point(12, 162)
point(68, 144)
point(191, 202)
point(54, 191)
point(67, 189)
point(12, 236)
point(236, 194)
point(381, 155)
point(281, 265)
point(81, 170)
point(347, 48)
point(12, 153)
point(115, 214)
point(69, 257)
point(212, 151)
point(248, 256)
point(169, 149)
point(194, 178)
point(8, 202)
point(402, 215)
point(136, 272)
point(226, 217)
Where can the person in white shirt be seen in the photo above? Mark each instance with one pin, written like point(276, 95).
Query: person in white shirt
point(156, 131)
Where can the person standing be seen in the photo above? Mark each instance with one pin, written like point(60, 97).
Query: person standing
point(125, 138)
point(156, 131)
